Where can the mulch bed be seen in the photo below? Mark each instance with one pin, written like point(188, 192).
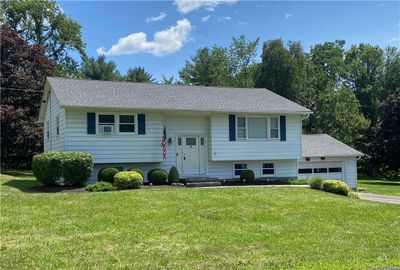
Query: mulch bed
point(59, 189)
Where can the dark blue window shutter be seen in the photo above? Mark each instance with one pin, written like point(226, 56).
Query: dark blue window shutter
point(91, 123)
point(141, 124)
point(232, 127)
point(283, 127)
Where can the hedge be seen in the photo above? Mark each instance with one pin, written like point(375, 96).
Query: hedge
point(128, 180)
point(247, 175)
point(50, 167)
point(140, 171)
point(316, 183)
point(47, 167)
point(100, 187)
point(173, 175)
point(107, 174)
point(157, 176)
point(336, 186)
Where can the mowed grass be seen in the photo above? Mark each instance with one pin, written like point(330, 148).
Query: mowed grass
point(377, 186)
point(229, 228)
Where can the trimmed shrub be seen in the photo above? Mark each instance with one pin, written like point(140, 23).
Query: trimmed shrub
point(128, 180)
point(157, 176)
point(77, 167)
point(107, 174)
point(100, 187)
point(173, 175)
point(336, 186)
point(47, 167)
point(139, 171)
point(316, 183)
point(354, 195)
point(247, 175)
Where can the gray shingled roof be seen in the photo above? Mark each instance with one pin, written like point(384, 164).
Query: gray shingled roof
point(323, 145)
point(107, 94)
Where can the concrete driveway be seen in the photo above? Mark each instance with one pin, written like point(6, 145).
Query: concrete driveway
point(379, 198)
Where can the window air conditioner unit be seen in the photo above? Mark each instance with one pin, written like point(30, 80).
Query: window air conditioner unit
point(107, 129)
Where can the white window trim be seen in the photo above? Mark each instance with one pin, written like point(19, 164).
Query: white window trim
point(233, 168)
point(116, 122)
point(135, 123)
point(268, 117)
point(261, 167)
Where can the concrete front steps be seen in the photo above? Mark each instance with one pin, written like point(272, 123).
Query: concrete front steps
point(202, 182)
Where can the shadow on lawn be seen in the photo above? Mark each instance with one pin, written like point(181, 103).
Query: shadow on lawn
point(23, 185)
point(34, 186)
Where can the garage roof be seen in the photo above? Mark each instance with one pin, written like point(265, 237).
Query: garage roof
point(323, 145)
point(127, 95)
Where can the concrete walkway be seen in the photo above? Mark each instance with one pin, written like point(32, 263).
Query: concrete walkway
point(379, 198)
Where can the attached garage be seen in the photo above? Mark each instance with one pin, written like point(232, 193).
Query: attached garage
point(324, 156)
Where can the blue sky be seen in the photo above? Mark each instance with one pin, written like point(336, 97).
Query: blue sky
point(183, 27)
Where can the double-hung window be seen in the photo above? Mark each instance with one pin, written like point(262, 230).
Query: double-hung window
point(268, 168)
point(274, 130)
point(241, 128)
point(257, 127)
point(238, 168)
point(127, 123)
point(106, 120)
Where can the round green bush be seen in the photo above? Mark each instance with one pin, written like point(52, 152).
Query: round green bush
point(100, 187)
point(335, 186)
point(247, 175)
point(77, 167)
point(48, 167)
point(173, 175)
point(140, 171)
point(107, 174)
point(157, 176)
point(316, 183)
point(128, 180)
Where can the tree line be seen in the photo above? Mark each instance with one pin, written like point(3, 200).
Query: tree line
point(353, 92)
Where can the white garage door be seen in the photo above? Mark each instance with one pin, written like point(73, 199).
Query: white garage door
point(323, 169)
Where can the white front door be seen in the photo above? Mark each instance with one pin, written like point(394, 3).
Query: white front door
point(191, 150)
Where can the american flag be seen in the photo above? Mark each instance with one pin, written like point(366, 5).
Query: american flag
point(164, 144)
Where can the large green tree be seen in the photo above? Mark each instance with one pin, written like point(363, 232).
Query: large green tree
point(24, 69)
point(209, 67)
point(364, 65)
point(219, 66)
point(242, 62)
point(99, 69)
point(283, 69)
point(385, 147)
point(138, 74)
point(44, 22)
point(338, 114)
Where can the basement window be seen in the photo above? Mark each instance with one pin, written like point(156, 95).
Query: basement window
point(238, 168)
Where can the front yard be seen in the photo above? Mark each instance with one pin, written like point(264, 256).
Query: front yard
point(227, 228)
point(378, 186)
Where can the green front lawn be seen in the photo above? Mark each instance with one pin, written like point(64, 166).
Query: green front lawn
point(229, 228)
point(377, 186)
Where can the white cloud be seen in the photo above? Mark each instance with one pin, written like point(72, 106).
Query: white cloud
point(205, 18)
point(288, 15)
point(242, 23)
point(165, 42)
point(160, 17)
point(186, 6)
point(224, 19)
